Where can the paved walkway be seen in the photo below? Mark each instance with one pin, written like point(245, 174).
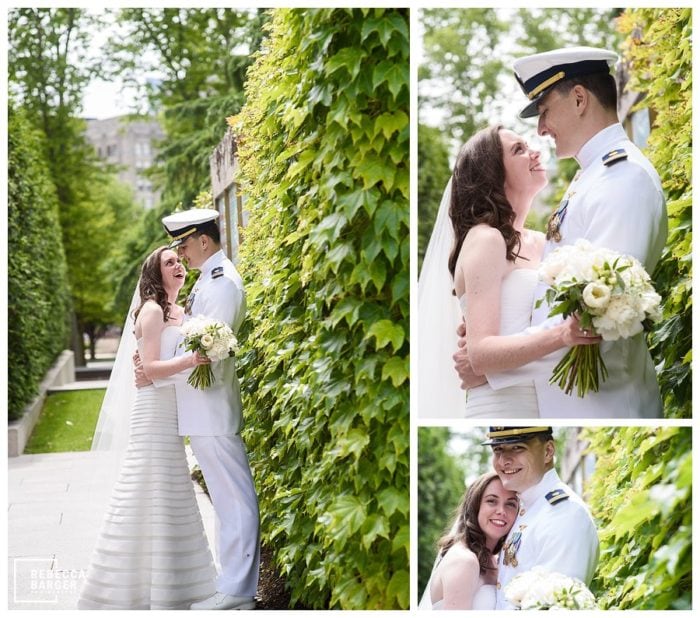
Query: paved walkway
point(56, 504)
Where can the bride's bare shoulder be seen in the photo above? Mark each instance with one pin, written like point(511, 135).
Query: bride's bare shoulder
point(459, 555)
point(482, 244)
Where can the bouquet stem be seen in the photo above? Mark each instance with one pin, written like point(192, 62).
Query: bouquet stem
point(201, 377)
point(582, 367)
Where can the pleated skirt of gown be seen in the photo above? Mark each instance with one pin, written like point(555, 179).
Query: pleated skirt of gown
point(152, 551)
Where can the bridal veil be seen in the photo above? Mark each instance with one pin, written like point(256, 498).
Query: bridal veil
point(439, 314)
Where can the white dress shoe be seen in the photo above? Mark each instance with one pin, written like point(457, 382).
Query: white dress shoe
point(221, 600)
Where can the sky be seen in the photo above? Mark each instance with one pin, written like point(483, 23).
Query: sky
point(104, 100)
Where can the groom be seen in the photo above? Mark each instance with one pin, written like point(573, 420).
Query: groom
point(553, 529)
point(212, 417)
point(614, 201)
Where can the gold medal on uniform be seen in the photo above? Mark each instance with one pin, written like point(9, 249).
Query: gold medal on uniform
point(510, 549)
point(555, 222)
point(189, 302)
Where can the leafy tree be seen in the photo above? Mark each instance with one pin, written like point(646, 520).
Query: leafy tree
point(92, 276)
point(36, 274)
point(433, 154)
point(201, 56)
point(323, 145)
point(466, 79)
point(641, 497)
point(49, 67)
point(658, 49)
point(440, 488)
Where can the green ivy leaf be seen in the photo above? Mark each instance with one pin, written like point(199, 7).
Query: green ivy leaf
point(349, 58)
point(374, 169)
point(395, 75)
point(396, 369)
point(386, 332)
point(347, 514)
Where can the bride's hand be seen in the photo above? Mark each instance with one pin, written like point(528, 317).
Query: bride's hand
point(574, 334)
point(199, 359)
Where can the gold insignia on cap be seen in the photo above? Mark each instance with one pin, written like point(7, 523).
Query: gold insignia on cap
point(545, 84)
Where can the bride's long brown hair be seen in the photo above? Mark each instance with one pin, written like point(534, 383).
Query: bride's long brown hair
point(151, 284)
point(478, 193)
point(468, 530)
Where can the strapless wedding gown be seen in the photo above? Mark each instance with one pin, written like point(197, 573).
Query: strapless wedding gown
point(485, 598)
point(152, 552)
point(520, 401)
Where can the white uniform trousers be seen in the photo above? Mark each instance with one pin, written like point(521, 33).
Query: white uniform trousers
point(224, 464)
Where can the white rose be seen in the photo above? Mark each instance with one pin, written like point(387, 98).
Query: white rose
point(596, 295)
point(206, 341)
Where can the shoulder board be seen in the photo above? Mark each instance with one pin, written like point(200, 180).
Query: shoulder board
point(217, 272)
point(614, 156)
point(556, 496)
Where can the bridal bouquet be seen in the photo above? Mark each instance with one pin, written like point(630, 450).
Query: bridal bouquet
point(213, 339)
point(613, 297)
point(543, 589)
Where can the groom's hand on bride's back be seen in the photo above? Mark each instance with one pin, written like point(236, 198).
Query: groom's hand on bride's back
point(463, 365)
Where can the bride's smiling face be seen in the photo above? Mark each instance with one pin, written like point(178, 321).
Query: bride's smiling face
point(525, 174)
point(171, 270)
point(497, 511)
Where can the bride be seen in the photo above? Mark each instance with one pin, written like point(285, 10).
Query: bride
point(152, 552)
point(492, 264)
point(465, 572)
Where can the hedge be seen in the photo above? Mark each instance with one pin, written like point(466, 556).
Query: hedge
point(36, 279)
point(323, 144)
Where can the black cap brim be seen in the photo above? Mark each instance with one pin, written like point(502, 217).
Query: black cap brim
point(530, 110)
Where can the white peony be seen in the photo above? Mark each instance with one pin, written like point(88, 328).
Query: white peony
point(206, 341)
point(621, 319)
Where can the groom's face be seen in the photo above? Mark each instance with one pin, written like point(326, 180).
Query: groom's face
point(521, 465)
point(190, 250)
point(557, 118)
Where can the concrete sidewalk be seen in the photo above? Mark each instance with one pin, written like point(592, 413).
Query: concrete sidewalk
point(56, 504)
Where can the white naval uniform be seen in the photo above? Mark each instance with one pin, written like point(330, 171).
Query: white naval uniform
point(621, 207)
point(559, 537)
point(212, 418)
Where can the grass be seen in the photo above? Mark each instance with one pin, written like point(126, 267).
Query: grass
point(67, 422)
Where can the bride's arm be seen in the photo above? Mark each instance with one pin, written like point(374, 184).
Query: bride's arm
point(151, 324)
point(483, 266)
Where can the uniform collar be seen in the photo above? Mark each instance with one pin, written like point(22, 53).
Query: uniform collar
point(212, 262)
point(549, 481)
point(599, 144)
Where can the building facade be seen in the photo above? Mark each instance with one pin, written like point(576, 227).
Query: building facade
point(228, 199)
point(131, 145)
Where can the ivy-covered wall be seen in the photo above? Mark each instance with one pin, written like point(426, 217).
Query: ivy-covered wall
point(658, 48)
point(36, 271)
point(324, 147)
point(641, 498)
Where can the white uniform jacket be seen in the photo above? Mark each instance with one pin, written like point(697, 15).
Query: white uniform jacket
point(619, 206)
point(214, 411)
point(554, 530)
